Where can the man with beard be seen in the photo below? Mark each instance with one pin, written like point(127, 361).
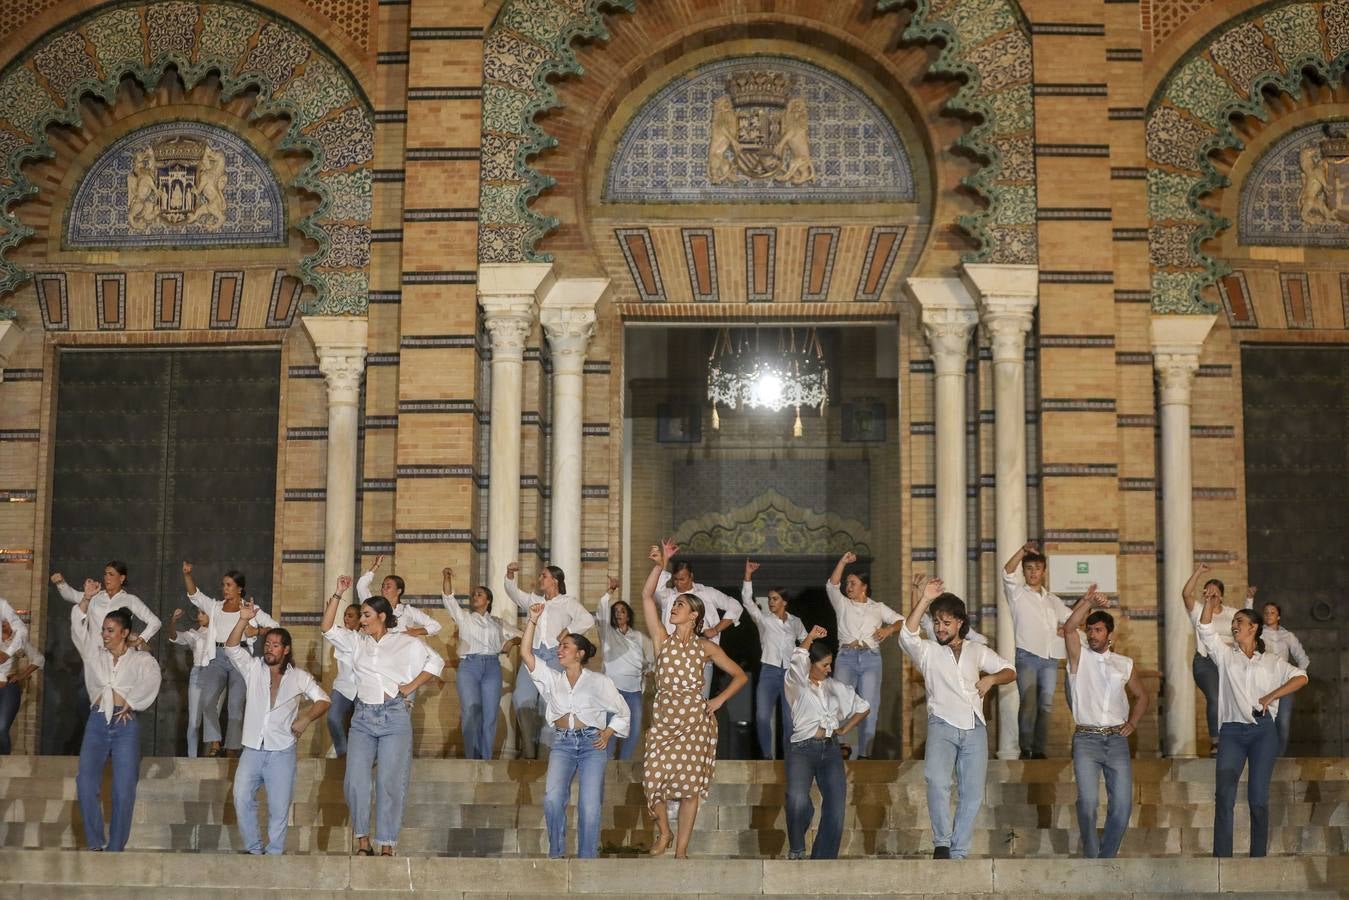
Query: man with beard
point(274, 690)
point(1099, 680)
point(958, 674)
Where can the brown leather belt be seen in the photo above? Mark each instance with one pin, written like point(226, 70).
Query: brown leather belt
point(1097, 729)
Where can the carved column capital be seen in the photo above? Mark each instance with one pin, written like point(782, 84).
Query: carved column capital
point(569, 332)
point(948, 334)
point(1176, 344)
point(508, 321)
point(1175, 376)
point(339, 344)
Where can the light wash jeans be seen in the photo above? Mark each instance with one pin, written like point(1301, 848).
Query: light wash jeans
point(1037, 679)
point(769, 695)
point(339, 720)
point(1239, 742)
point(964, 752)
point(861, 671)
point(380, 733)
point(1095, 755)
point(11, 695)
point(478, 682)
point(819, 760)
point(274, 770)
point(625, 748)
point(216, 679)
point(529, 706)
point(574, 753)
point(120, 741)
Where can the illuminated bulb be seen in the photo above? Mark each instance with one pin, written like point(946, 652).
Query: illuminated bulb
point(768, 391)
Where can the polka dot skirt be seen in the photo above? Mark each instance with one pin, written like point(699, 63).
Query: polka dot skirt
point(681, 742)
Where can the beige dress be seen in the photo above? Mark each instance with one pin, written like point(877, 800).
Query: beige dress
point(681, 742)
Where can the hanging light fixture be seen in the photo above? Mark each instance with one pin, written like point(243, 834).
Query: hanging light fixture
point(741, 373)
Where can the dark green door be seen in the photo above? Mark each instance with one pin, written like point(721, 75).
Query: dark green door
point(160, 456)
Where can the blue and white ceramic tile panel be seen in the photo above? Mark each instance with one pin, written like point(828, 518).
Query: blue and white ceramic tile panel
point(1270, 211)
point(662, 155)
point(255, 212)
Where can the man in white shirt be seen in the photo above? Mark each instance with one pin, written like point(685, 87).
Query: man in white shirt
point(958, 675)
point(1037, 616)
point(411, 620)
point(1284, 644)
point(12, 676)
point(271, 726)
point(721, 611)
point(1102, 683)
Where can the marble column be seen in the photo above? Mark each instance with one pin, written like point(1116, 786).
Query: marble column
point(339, 344)
point(948, 319)
point(568, 318)
point(1176, 344)
point(508, 295)
point(1007, 296)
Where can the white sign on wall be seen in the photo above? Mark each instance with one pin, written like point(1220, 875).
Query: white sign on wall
point(1074, 573)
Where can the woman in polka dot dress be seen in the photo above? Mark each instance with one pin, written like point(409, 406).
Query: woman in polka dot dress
point(681, 745)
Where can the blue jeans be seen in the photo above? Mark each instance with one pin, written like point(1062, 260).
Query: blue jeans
point(1206, 677)
point(574, 752)
point(768, 695)
point(1037, 679)
point(274, 770)
point(217, 678)
point(339, 719)
point(380, 733)
point(529, 706)
point(478, 682)
point(122, 742)
point(627, 747)
point(1239, 742)
point(861, 671)
point(819, 760)
point(1093, 756)
point(1282, 724)
point(10, 696)
point(963, 751)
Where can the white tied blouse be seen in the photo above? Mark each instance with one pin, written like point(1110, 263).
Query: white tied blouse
point(826, 705)
point(593, 701)
point(222, 622)
point(479, 633)
point(859, 621)
point(134, 675)
point(381, 666)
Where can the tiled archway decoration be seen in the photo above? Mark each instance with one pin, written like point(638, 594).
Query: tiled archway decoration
point(986, 41)
point(330, 116)
point(1188, 118)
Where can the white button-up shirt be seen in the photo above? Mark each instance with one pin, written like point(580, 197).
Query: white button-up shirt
point(134, 675)
point(1242, 679)
point(627, 656)
point(10, 667)
point(826, 705)
point(952, 684)
point(18, 630)
point(859, 621)
point(563, 611)
point(778, 637)
point(381, 666)
point(222, 622)
point(345, 682)
point(1099, 698)
point(716, 605)
point(1036, 616)
point(101, 604)
point(407, 615)
point(1222, 625)
point(593, 702)
point(1285, 645)
point(267, 725)
point(197, 640)
point(479, 633)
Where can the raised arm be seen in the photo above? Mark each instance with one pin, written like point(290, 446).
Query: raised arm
point(847, 559)
point(447, 598)
point(527, 641)
point(747, 593)
point(172, 629)
point(602, 608)
point(189, 582)
point(68, 593)
point(1071, 641)
point(334, 601)
point(923, 591)
point(518, 597)
point(1011, 565)
point(650, 611)
point(1187, 592)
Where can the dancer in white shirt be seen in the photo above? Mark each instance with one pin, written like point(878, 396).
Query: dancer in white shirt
point(862, 625)
point(410, 619)
point(13, 674)
point(958, 675)
point(1102, 683)
point(482, 639)
point(1285, 645)
point(389, 667)
point(629, 657)
point(197, 640)
point(342, 701)
point(121, 682)
point(585, 712)
point(272, 725)
point(1203, 667)
point(561, 612)
point(722, 611)
point(219, 679)
point(1037, 617)
point(109, 595)
point(779, 633)
point(822, 708)
point(1250, 683)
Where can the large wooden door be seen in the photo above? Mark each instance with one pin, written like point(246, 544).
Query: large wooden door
point(1296, 405)
point(160, 456)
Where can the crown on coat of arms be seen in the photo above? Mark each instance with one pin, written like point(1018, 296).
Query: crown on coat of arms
point(180, 150)
point(759, 88)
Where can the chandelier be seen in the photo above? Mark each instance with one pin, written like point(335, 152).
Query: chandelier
point(741, 372)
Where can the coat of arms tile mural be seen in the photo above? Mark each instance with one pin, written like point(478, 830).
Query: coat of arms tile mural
point(177, 184)
point(1298, 193)
point(760, 128)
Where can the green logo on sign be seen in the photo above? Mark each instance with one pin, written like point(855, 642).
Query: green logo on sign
point(1083, 568)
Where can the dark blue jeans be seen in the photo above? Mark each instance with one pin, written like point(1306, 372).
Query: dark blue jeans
point(10, 696)
point(1206, 677)
point(1095, 755)
point(1283, 724)
point(1238, 743)
point(478, 682)
point(769, 695)
point(821, 761)
point(122, 742)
